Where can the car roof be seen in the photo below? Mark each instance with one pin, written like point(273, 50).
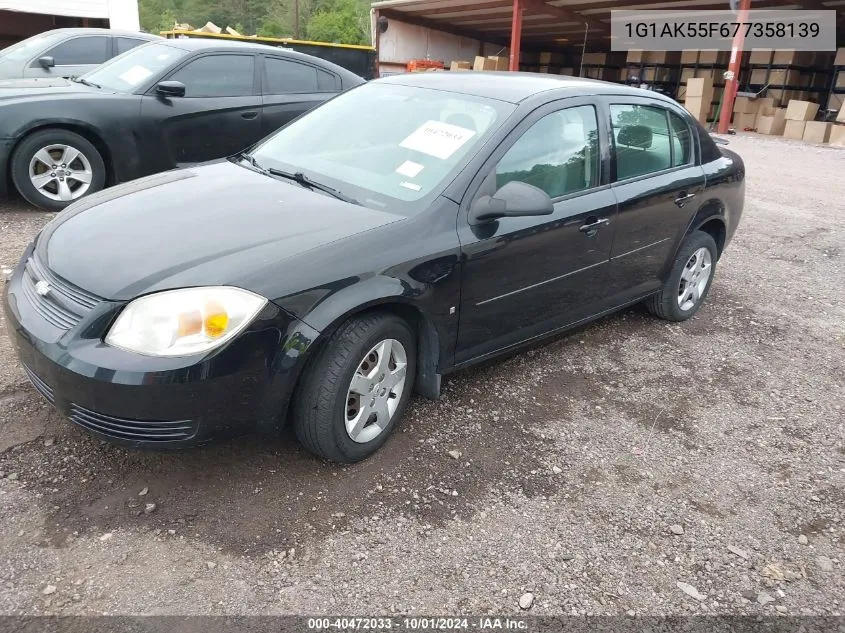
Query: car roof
point(96, 31)
point(513, 87)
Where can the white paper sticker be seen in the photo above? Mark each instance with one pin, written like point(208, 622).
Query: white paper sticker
point(437, 139)
point(409, 168)
point(411, 186)
point(135, 75)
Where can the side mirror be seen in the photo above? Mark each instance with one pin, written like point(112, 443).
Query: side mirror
point(171, 88)
point(46, 62)
point(515, 199)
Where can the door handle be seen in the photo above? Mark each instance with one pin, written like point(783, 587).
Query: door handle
point(682, 199)
point(592, 227)
point(249, 115)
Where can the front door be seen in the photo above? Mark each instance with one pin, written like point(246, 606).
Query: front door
point(658, 185)
point(523, 277)
point(219, 115)
point(291, 88)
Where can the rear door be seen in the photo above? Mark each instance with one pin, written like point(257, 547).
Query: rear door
point(292, 87)
point(658, 184)
point(219, 115)
point(72, 57)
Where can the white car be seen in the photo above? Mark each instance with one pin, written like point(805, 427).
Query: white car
point(66, 52)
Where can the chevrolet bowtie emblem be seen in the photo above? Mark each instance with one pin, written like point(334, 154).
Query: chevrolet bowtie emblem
point(42, 288)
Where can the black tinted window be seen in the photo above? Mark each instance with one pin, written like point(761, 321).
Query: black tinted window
point(326, 82)
point(641, 140)
point(285, 76)
point(681, 141)
point(123, 44)
point(80, 51)
point(217, 76)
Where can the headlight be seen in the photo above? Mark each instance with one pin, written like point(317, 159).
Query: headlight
point(184, 322)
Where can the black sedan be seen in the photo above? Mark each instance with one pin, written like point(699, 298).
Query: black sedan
point(162, 105)
point(362, 252)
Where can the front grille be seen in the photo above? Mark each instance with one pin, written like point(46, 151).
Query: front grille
point(126, 429)
point(42, 387)
point(64, 305)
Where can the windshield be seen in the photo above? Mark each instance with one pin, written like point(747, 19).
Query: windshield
point(385, 145)
point(126, 72)
point(22, 51)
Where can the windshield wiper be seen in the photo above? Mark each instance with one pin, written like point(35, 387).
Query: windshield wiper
point(305, 181)
point(251, 160)
point(85, 82)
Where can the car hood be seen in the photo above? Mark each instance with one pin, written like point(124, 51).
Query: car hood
point(16, 88)
point(217, 224)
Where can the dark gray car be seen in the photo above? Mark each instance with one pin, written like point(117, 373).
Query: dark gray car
point(66, 52)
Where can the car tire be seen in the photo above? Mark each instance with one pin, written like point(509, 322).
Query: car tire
point(346, 420)
point(689, 281)
point(52, 186)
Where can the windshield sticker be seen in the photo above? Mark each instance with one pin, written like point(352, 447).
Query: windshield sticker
point(135, 75)
point(410, 185)
point(437, 139)
point(409, 168)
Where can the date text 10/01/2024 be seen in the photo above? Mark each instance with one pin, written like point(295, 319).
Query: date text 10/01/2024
point(683, 30)
point(417, 624)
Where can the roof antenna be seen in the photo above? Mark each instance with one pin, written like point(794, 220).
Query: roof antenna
point(583, 49)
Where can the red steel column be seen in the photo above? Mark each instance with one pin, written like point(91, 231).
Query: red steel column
point(516, 35)
point(732, 84)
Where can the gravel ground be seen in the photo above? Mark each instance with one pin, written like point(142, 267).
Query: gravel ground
point(634, 466)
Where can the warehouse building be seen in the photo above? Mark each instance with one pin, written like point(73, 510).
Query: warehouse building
point(572, 37)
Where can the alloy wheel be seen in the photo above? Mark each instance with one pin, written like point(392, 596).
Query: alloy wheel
point(376, 390)
point(60, 172)
point(694, 278)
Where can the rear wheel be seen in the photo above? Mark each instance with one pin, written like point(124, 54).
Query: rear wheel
point(689, 281)
point(53, 168)
point(357, 388)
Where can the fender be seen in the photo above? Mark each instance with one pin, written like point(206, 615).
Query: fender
point(411, 300)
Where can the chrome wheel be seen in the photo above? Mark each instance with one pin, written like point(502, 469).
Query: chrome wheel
point(60, 172)
point(376, 390)
point(694, 279)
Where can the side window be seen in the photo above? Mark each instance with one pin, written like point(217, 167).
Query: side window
point(641, 140)
point(80, 51)
point(558, 154)
point(681, 141)
point(284, 77)
point(218, 76)
point(327, 82)
point(123, 44)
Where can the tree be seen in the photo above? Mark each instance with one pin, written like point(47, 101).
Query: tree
point(339, 21)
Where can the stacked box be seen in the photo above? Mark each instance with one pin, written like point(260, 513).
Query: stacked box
point(699, 97)
point(837, 135)
point(456, 65)
point(801, 110)
point(490, 63)
point(817, 131)
point(771, 120)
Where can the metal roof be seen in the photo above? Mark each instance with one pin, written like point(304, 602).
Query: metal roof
point(558, 23)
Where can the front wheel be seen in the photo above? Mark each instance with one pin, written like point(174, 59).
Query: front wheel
point(357, 388)
point(689, 281)
point(53, 168)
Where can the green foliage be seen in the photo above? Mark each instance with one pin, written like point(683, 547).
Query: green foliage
point(341, 21)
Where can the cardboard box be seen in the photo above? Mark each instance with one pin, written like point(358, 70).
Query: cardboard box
point(670, 58)
point(456, 65)
point(544, 69)
point(764, 102)
point(501, 63)
point(567, 71)
point(782, 77)
point(700, 87)
point(794, 129)
point(839, 60)
point(817, 131)
point(548, 58)
point(745, 121)
point(707, 73)
point(652, 74)
point(483, 63)
point(699, 107)
point(686, 74)
point(689, 57)
point(792, 58)
point(801, 110)
point(636, 57)
point(716, 58)
point(835, 101)
point(760, 56)
point(594, 59)
point(837, 135)
point(771, 121)
point(840, 79)
point(745, 105)
point(841, 116)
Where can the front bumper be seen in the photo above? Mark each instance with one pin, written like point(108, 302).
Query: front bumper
point(160, 403)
